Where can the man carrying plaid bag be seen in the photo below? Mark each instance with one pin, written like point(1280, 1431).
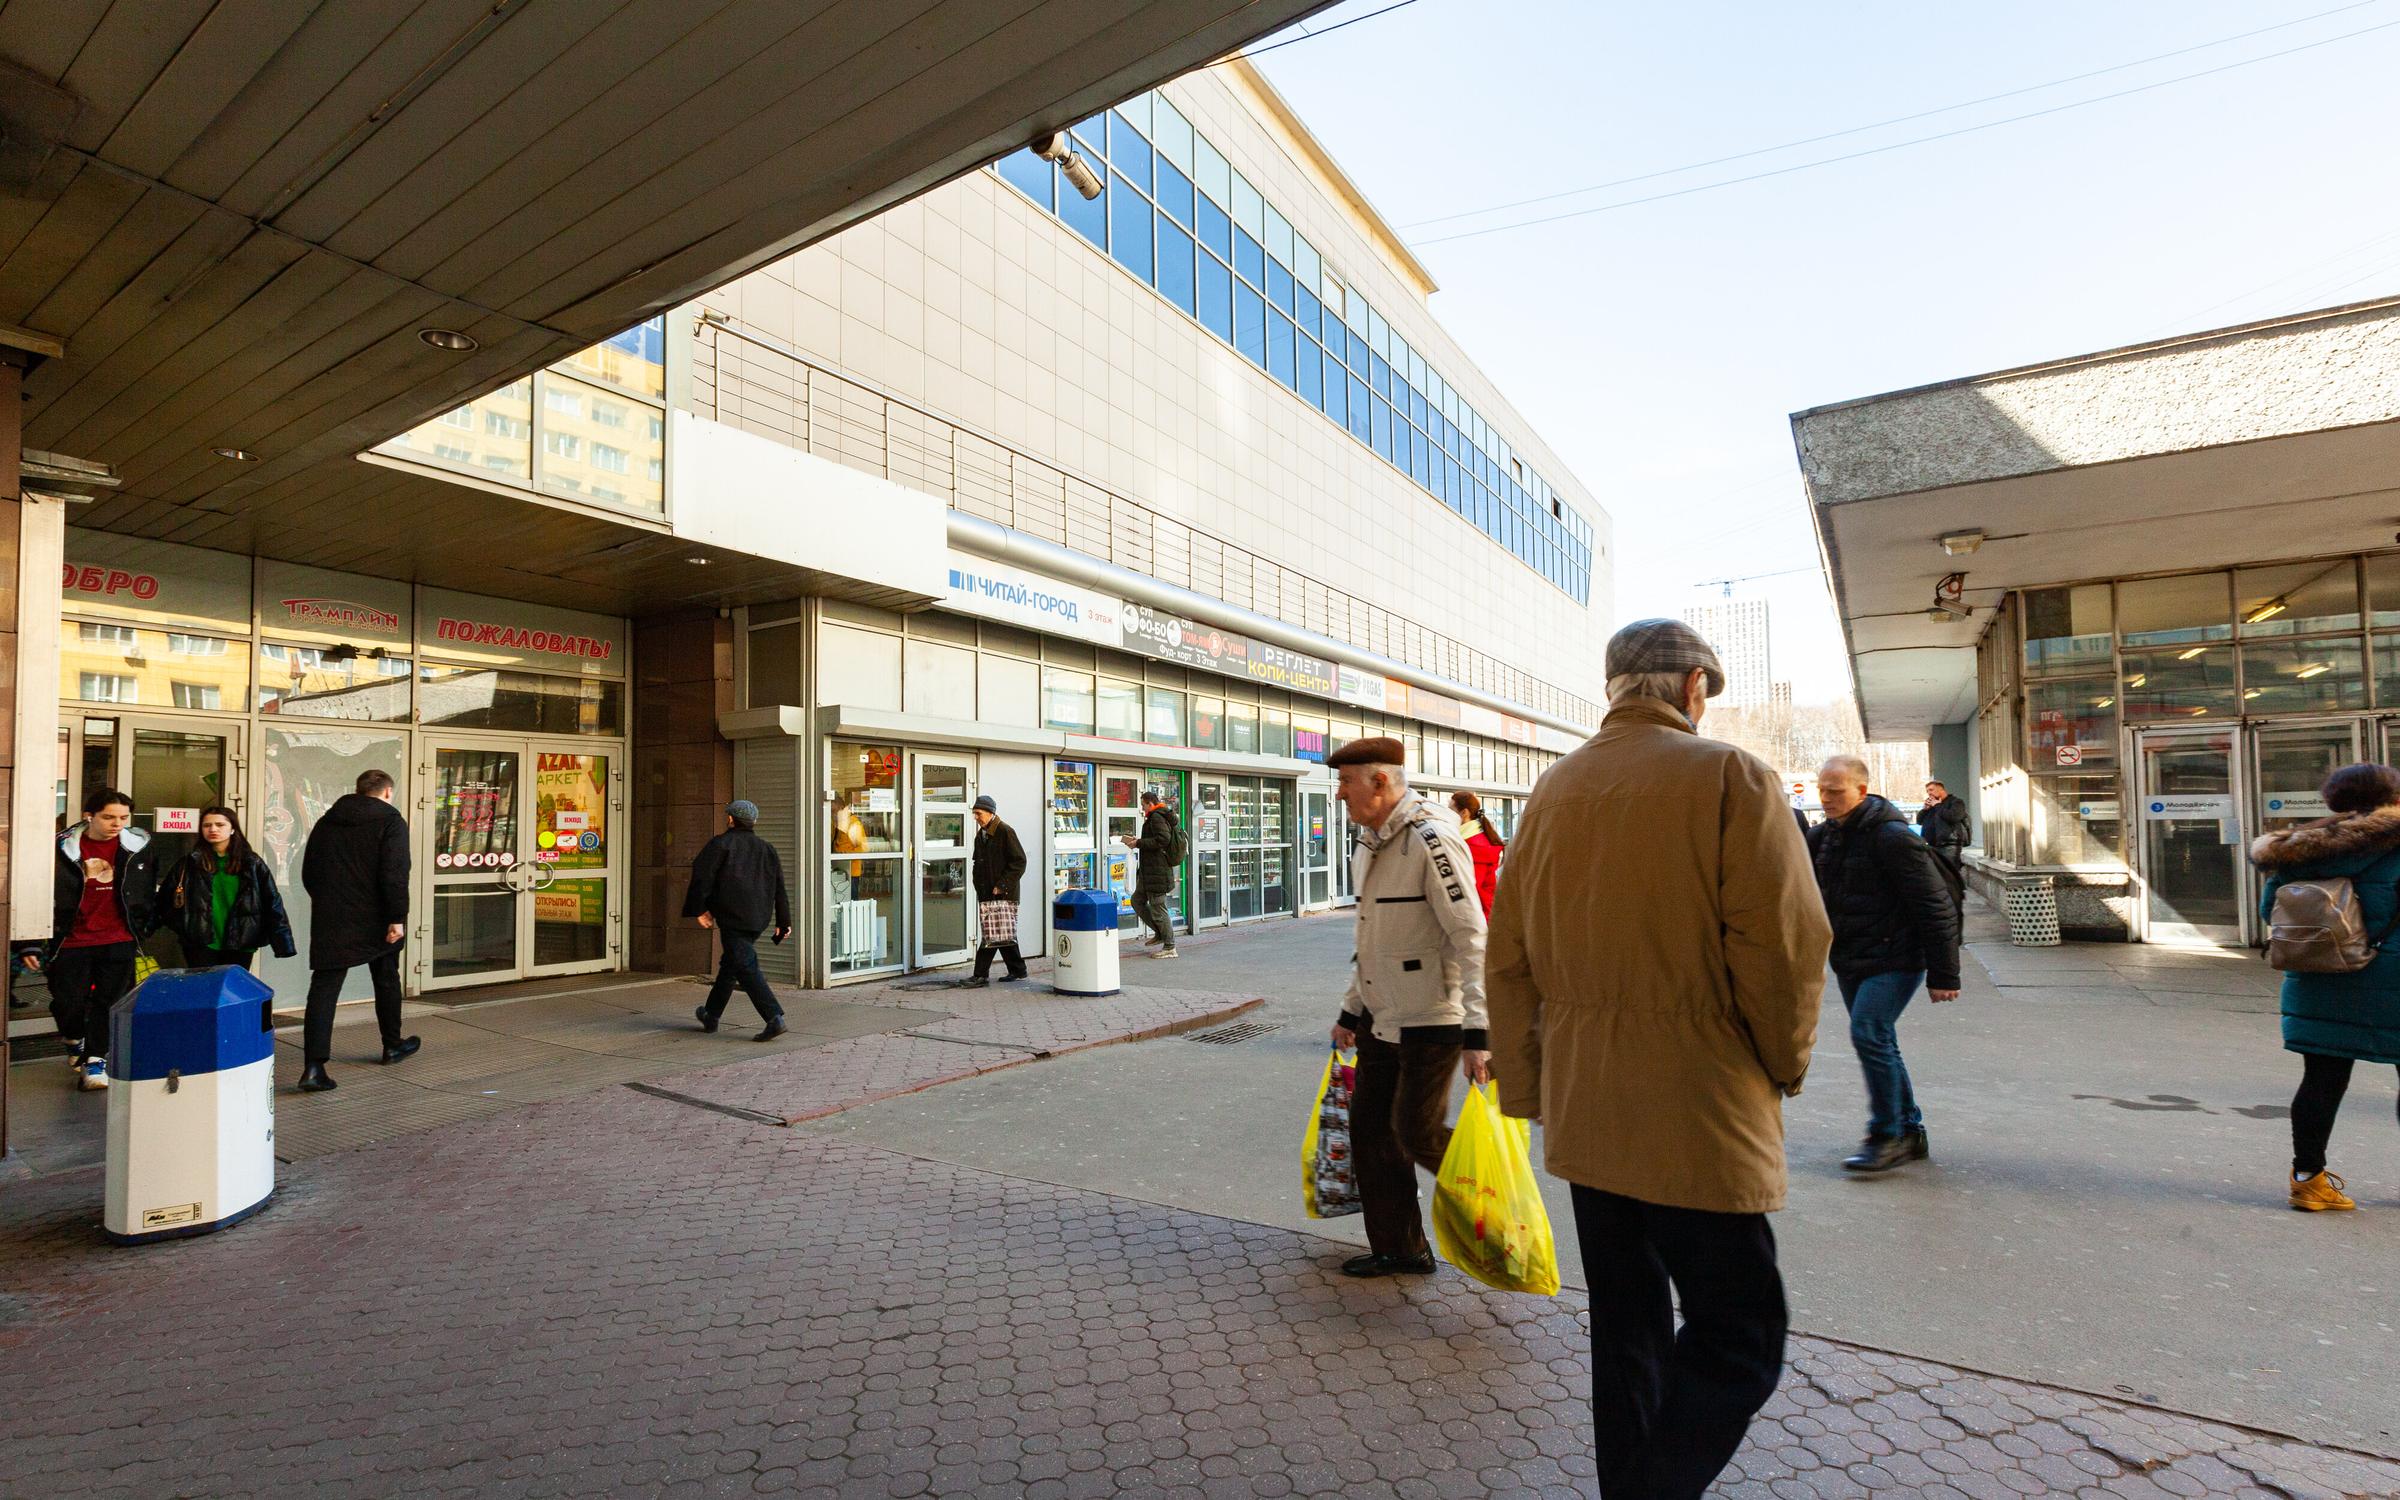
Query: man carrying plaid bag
point(999, 866)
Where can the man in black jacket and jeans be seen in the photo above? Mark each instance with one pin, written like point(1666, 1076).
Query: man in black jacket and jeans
point(355, 871)
point(1894, 928)
point(1943, 821)
point(737, 886)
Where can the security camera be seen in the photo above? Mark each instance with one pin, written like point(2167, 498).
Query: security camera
point(1079, 173)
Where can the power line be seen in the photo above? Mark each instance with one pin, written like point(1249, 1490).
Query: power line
point(1310, 36)
point(1922, 140)
point(2312, 268)
point(1926, 114)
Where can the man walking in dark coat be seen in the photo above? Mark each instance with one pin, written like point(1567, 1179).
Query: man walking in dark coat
point(1161, 845)
point(1943, 821)
point(1894, 928)
point(999, 868)
point(737, 888)
point(355, 871)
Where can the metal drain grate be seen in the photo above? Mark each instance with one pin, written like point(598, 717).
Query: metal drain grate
point(1226, 1036)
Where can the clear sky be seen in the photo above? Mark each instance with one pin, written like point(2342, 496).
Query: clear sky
point(1661, 348)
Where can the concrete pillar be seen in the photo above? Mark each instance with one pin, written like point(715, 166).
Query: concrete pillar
point(682, 778)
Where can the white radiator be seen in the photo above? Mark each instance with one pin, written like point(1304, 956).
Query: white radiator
point(857, 932)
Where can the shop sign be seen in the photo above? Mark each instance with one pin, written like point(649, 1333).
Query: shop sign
point(154, 583)
point(2296, 805)
point(315, 603)
point(1308, 744)
point(177, 819)
point(2100, 810)
point(505, 632)
point(1154, 632)
point(1030, 601)
point(1435, 708)
point(1364, 688)
point(2187, 808)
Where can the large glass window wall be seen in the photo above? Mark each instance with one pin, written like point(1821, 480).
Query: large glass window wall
point(1175, 214)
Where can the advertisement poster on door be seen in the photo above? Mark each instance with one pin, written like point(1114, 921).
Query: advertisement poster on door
point(570, 813)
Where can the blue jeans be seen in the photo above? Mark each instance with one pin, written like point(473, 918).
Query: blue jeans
point(738, 964)
point(1875, 1002)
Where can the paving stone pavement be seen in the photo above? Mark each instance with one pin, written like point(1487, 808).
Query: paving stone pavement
point(621, 1294)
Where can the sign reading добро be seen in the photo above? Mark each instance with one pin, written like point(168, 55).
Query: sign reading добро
point(154, 583)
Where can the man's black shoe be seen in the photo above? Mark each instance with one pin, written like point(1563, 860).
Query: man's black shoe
point(775, 1028)
point(314, 1081)
point(1879, 1153)
point(978, 982)
point(707, 1021)
point(406, 1047)
point(1389, 1265)
point(1919, 1149)
point(1013, 978)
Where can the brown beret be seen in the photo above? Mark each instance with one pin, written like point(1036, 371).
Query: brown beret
point(1382, 750)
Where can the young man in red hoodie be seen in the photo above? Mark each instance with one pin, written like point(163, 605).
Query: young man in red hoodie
point(104, 903)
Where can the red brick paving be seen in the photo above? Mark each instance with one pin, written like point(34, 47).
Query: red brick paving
point(625, 1295)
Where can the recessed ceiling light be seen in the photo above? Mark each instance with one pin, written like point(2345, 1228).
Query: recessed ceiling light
point(238, 455)
point(1960, 543)
point(699, 562)
point(448, 338)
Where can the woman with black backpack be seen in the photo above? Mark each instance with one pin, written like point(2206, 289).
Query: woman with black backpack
point(220, 900)
point(2341, 982)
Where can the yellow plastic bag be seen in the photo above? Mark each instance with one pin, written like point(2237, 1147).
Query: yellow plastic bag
point(1326, 1183)
point(1487, 1210)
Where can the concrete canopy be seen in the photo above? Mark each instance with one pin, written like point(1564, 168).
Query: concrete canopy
point(237, 219)
point(2272, 441)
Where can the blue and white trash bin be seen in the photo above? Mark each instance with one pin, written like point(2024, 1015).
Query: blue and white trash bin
point(191, 1104)
point(1083, 943)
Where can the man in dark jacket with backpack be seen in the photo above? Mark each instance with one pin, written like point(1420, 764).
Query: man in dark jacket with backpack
point(1894, 928)
point(355, 871)
point(1162, 849)
point(1943, 821)
point(737, 889)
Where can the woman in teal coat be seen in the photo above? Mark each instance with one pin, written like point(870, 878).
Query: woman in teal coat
point(2337, 1020)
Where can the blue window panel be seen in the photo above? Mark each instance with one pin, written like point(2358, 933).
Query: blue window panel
point(1308, 371)
point(1306, 310)
point(1128, 152)
point(1358, 409)
point(1249, 262)
point(1092, 136)
point(1379, 375)
point(1030, 175)
point(1337, 391)
point(1453, 486)
point(1129, 218)
point(1417, 449)
point(1358, 351)
point(1279, 348)
point(1279, 286)
point(1175, 193)
point(1416, 406)
point(1215, 227)
point(1383, 429)
point(1086, 216)
point(1216, 297)
point(1250, 324)
point(1175, 265)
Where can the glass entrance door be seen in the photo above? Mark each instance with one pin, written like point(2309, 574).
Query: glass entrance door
point(171, 768)
point(943, 927)
point(2191, 839)
point(1208, 850)
point(518, 864)
point(1316, 848)
point(2289, 762)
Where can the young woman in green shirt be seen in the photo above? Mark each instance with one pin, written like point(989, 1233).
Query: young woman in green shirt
point(221, 900)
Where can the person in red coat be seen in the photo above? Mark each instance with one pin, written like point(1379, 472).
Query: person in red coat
point(1483, 841)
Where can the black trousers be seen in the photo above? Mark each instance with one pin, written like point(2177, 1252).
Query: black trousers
point(1952, 862)
point(1009, 954)
point(84, 983)
point(737, 963)
point(1398, 1101)
point(1670, 1406)
point(2323, 1082)
point(325, 992)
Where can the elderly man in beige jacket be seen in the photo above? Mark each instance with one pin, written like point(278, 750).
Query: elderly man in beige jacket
point(1655, 961)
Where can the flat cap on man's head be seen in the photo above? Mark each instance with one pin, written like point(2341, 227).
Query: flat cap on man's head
point(743, 811)
point(1663, 646)
point(1382, 750)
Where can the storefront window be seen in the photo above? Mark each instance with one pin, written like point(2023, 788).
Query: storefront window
point(305, 682)
point(2166, 683)
point(864, 835)
point(2174, 611)
point(1274, 731)
point(2297, 599)
point(1119, 712)
point(2387, 670)
point(153, 668)
point(1163, 710)
point(2295, 676)
point(1208, 723)
point(1241, 728)
point(2076, 716)
point(1067, 700)
point(1073, 842)
point(497, 698)
point(2077, 820)
point(2383, 589)
point(2066, 630)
